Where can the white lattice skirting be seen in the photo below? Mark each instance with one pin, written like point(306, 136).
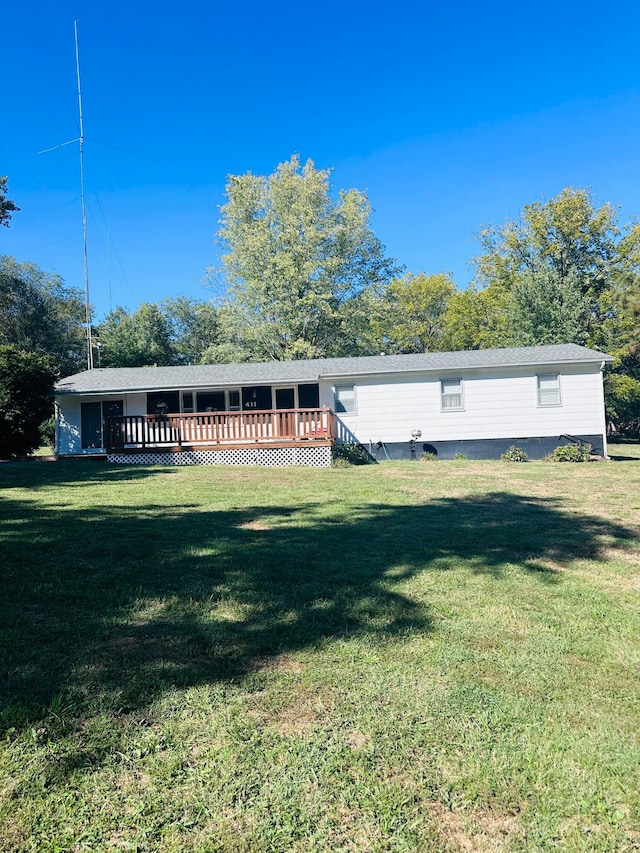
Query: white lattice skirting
point(316, 457)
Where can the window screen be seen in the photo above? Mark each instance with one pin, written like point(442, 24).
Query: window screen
point(451, 394)
point(549, 390)
point(309, 396)
point(345, 398)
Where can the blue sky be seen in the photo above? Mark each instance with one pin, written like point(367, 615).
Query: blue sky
point(449, 116)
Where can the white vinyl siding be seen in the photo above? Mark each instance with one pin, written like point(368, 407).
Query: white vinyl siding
point(497, 404)
point(549, 389)
point(345, 398)
point(451, 397)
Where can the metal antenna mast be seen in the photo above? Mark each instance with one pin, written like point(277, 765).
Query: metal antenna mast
point(84, 212)
point(80, 139)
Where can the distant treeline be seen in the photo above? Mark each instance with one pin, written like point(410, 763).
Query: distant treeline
point(304, 276)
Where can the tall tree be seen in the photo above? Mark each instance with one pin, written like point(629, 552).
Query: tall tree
point(416, 306)
point(140, 339)
point(567, 236)
point(26, 399)
point(7, 207)
point(195, 327)
point(230, 345)
point(547, 308)
point(567, 233)
point(40, 314)
point(476, 318)
point(295, 258)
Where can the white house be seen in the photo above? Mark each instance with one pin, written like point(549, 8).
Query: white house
point(397, 407)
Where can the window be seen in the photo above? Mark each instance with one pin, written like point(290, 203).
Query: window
point(285, 398)
point(187, 401)
point(257, 398)
point(451, 395)
point(161, 402)
point(211, 401)
point(345, 397)
point(549, 390)
point(309, 396)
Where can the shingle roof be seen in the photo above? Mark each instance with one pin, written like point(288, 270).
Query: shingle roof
point(123, 379)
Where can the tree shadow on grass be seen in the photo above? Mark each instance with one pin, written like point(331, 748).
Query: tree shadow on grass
point(77, 473)
point(107, 608)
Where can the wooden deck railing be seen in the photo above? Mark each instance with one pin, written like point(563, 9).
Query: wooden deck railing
point(219, 428)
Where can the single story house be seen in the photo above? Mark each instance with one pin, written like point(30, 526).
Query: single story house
point(291, 412)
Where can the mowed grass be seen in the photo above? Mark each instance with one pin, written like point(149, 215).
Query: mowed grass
point(403, 657)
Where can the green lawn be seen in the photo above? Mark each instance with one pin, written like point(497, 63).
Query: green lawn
point(427, 656)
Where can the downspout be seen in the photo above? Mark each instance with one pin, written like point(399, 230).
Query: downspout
point(605, 449)
point(56, 433)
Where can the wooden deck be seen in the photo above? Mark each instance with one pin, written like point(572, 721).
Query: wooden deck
point(217, 430)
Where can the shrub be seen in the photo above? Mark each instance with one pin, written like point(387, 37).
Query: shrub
point(427, 456)
point(460, 455)
point(26, 400)
point(622, 399)
point(351, 454)
point(570, 453)
point(48, 432)
point(514, 454)
point(339, 462)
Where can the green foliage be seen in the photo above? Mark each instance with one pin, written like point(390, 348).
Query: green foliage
point(476, 319)
point(136, 340)
point(351, 453)
point(554, 241)
point(565, 233)
point(40, 314)
point(412, 318)
point(629, 362)
point(547, 308)
point(340, 462)
point(622, 401)
point(514, 454)
point(7, 207)
point(570, 453)
point(48, 432)
point(174, 331)
point(26, 400)
point(194, 328)
point(296, 261)
point(429, 456)
point(460, 456)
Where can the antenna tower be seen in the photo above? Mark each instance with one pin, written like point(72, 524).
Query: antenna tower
point(87, 304)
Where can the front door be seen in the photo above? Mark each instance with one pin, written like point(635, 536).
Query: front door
point(91, 425)
point(285, 400)
point(112, 431)
point(93, 422)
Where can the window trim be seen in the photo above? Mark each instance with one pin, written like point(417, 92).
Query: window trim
point(445, 409)
point(238, 406)
point(352, 387)
point(539, 402)
point(276, 388)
